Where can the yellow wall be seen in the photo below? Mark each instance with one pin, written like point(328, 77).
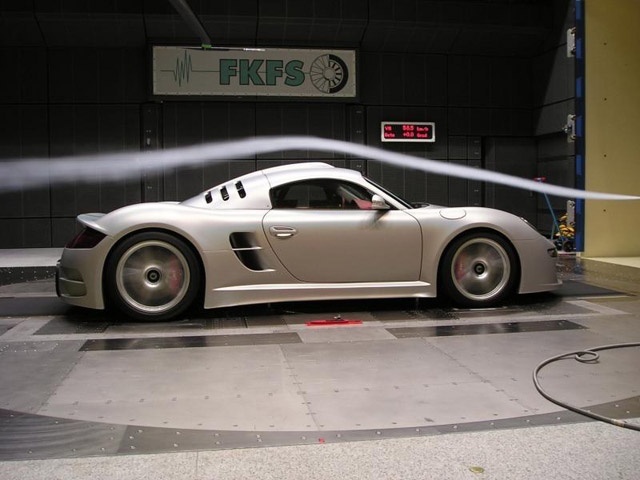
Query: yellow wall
point(612, 229)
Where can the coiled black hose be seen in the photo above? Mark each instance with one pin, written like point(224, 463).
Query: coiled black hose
point(584, 356)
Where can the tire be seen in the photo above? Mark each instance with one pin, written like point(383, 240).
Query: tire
point(479, 270)
point(152, 276)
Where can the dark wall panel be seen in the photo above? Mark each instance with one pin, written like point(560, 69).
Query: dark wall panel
point(489, 82)
point(63, 230)
point(226, 21)
point(91, 23)
point(94, 129)
point(190, 123)
point(461, 27)
point(18, 25)
point(395, 79)
point(24, 212)
point(23, 134)
point(82, 75)
point(324, 120)
point(25, 232)
point(489, 121)
point(553, 75)
point(513, 156)
point(458, 188)
point(24, 75)
point(331, 23)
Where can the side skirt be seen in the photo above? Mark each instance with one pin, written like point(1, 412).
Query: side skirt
point(292, 292)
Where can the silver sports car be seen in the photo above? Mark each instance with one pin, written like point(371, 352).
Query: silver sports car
point(306, 231)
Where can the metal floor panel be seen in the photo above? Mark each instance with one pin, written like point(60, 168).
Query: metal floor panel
point(483, 329)
point(514, 354)
point(378, 364)
point(30, 373)
point(28, 437)
point(199, 341)
point(258, 376)
point(409, 405)
point(214, 388)
point(573, 288)
point(39, 437)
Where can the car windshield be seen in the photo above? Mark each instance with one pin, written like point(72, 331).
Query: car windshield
point(392, 195)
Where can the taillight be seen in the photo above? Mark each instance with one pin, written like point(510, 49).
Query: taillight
point(87, 238)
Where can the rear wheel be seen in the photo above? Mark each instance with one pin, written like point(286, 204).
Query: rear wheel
point(152, 276)
point(479, 270)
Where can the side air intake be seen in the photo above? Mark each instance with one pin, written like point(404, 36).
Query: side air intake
point(246, 248)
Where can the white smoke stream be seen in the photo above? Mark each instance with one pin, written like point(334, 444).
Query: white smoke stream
point(17, 174)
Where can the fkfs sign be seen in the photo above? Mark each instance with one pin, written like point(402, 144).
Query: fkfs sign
point(268, 72)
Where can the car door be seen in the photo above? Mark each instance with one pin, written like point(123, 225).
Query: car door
point(325, 230)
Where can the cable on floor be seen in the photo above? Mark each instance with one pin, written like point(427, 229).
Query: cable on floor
point(584, 356)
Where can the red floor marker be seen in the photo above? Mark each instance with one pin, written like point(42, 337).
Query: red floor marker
point(322, 323)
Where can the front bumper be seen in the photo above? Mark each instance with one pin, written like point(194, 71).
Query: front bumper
point(538, 268)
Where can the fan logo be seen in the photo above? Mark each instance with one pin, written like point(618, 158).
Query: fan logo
point(329, 73)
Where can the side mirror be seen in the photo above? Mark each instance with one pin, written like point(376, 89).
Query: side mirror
point(378, 203)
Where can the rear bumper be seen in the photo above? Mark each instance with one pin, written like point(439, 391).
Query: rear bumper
point(79, 275)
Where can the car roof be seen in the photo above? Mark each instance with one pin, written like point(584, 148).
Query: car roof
point(306, 171)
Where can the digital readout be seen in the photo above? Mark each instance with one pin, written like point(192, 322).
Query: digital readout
point(408, 132)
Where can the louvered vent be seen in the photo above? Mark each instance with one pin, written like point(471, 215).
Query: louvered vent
point(246, 248)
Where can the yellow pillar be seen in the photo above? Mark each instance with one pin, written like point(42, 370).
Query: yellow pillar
point(612, 160)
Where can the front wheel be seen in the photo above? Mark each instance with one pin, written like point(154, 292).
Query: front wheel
point(479, 270)
point(152, 276)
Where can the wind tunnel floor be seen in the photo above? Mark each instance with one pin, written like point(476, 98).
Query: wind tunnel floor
point(80, 383)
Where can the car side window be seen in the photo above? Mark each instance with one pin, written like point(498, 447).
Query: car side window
point(321, 194)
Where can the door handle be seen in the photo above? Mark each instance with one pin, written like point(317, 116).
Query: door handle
point(282, 232)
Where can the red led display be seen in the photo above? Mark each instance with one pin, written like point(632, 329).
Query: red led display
point(408, 132)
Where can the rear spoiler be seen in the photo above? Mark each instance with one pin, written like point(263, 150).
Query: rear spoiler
point(90, 220)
